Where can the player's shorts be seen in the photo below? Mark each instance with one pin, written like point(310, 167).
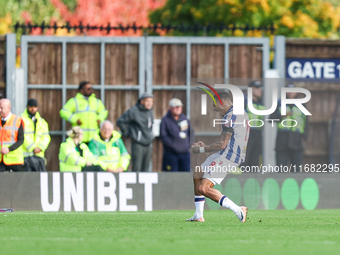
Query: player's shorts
point(216, 167)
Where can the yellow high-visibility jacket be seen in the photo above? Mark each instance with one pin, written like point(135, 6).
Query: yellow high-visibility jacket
point(88, 110)
point(35, 138)
point(70, 159)
point(112, 154)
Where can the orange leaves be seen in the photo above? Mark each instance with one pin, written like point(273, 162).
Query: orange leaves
point(287, 21)
point(115, 12)
point(26, 16)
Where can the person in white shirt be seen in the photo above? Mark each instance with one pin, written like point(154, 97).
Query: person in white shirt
point(230, 152)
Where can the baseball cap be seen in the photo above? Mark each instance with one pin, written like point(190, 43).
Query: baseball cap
point(290, 85)
point(32, 102)
point(175, 102)
point(256, 84)
point(146, 95)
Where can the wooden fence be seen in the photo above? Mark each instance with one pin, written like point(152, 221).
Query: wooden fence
point(2, 64)
point(324, 96)
point(121, 67)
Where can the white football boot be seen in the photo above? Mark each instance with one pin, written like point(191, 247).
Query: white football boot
point(242, 214)
point(195, 218)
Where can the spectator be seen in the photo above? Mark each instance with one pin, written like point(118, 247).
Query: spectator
point(254, 148)
point(110, 149)
point(136, 123)
point(36, 140)
point(12, 137)
point(85, 110)
point(289, 140)
point(175, 136)
point(75, 156)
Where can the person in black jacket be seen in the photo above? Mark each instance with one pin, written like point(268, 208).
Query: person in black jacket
point(136, 123)
point(175, 136)
point(289, 140)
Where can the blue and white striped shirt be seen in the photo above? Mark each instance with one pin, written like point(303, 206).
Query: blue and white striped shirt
point(235, 151)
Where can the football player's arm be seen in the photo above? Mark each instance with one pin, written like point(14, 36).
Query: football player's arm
point(221, 144)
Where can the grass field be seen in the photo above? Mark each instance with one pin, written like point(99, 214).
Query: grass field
point(166, 232)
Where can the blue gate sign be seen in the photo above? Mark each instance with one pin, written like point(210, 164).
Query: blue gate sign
point(307, 68)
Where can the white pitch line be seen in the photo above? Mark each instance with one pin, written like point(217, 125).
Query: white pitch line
point(124, 240)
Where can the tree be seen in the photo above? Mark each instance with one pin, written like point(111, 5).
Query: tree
point(35, 11)
point(293, 18)
point(103, 12)
point(92, 12)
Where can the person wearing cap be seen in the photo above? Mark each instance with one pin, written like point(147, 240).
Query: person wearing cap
point(175, 136)
point(289, 140)
point(109, 147)
point(36, 140)
point(254, 148)
point(85, 110)
point(136, 123)
point(75, 156)
point(12, 137)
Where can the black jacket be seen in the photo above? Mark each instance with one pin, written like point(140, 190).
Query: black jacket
point(136, 123)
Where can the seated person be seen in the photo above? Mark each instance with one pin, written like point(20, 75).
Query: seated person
point(75, 156)
point(110, 149)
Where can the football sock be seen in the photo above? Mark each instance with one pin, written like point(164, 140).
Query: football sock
point(199, 204)
point(227, 203)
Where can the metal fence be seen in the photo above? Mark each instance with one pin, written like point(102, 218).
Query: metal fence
point(155, 55)
point(26, 28)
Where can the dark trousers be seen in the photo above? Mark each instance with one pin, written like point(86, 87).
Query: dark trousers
point(14, 168)
point(174, 162)
point(140, 156)
point(254, 148)
point(34, 164)
point(293, 156)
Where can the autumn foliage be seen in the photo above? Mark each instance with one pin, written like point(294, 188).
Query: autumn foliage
point(292, 18)
point(92, 12)
point(103, 12)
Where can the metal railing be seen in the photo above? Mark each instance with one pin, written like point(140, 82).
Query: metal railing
point(27, 28)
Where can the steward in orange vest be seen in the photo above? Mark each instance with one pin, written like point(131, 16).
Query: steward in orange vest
point(11, 138)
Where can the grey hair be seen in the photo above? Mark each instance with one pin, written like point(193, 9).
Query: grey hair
point(104, 122)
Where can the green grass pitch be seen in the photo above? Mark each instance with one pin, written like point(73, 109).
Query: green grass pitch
point(166, 232)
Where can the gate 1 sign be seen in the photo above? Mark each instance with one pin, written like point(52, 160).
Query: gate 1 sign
point(306, 68)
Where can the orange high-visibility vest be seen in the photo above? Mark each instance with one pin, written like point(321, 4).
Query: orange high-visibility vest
point(9, 136)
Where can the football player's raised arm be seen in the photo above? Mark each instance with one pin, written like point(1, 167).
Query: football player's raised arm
point(222, 143)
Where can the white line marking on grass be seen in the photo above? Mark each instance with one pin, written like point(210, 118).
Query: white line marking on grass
point(52, 239)
point(144, 240)
point(88, 213)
